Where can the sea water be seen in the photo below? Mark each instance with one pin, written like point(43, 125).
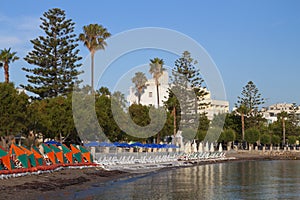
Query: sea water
point(231, 180)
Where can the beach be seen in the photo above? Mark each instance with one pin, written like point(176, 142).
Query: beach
point(32, 187)
point(67, 180)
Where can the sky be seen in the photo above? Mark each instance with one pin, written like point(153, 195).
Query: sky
point(257, 40)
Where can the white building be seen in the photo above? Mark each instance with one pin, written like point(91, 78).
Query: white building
point(214, 106)
point(149, 97)
point(20, 90)
point(270, 113)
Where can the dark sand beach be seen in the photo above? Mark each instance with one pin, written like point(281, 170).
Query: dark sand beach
point(31, 187)
point(66, 180)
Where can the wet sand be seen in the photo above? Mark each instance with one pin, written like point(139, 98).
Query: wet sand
point(68, 180)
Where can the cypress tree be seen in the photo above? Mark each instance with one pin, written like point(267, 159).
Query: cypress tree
point(55, 57)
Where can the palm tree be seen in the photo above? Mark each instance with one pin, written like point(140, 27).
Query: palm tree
point(139, 81)
point(283, 115)
point(93, 37)
point(119, 98)
point(156, 69)
point(6, 57)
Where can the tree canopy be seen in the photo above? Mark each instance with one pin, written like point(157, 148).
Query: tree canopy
point(13, 109)
point(54, 57)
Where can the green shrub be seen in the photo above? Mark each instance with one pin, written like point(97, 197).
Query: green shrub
point(275, 139)
point(252, 135)
point(265, 139)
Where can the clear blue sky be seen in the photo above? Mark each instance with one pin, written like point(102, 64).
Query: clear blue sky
point(248, 40)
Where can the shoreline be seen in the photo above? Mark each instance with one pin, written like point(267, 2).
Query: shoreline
point(35, 186)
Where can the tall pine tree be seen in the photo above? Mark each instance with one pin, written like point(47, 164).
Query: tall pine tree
point(55, 56)
point(247, 106)
point(186, 91)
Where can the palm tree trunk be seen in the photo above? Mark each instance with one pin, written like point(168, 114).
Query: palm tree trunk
point(6, 72)
point(92, 71)
point(174, 121)
point(60, 137)
point(157, 91)
point(283, 130)
point(139, 96)
point(243, 126)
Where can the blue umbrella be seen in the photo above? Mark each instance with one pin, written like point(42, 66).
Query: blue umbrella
point(125, 145)
point(92, 144)
point(147, 145)
point(164, 146)
point(116, 143)
point(137, 144)
point(53, 142)
point(172, 146)
point(105, 144)
point(154, 146)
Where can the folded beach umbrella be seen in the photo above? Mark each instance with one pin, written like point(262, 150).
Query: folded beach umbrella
point(2, 153)
point(38, 156)
point(59, 154)
point(21, 155)
point(7, 162)
point(76, 153)
point(14, 149)
point(24, 160)
point(5, 159)
point(86, 154)
point(30, 156)
point(48, 151)
point(68, 153)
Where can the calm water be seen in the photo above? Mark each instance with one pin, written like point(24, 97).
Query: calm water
point(236, 180)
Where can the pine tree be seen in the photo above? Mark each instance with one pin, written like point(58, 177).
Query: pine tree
point(187, 88)
point(247, 105)
point(55, 56)
point(250, 98)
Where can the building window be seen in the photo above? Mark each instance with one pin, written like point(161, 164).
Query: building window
point(150, 94)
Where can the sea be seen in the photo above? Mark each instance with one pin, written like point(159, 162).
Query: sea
point(231, 180)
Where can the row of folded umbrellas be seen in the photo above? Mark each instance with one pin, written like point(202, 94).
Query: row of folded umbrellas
point(32, 157)
point(127, 145)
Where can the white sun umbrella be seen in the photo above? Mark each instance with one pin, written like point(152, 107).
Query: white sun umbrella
point(200, 147)
point(206, 148)
point(194, 147)
point(188, 147)
point(212, 149)
point(220, 147)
